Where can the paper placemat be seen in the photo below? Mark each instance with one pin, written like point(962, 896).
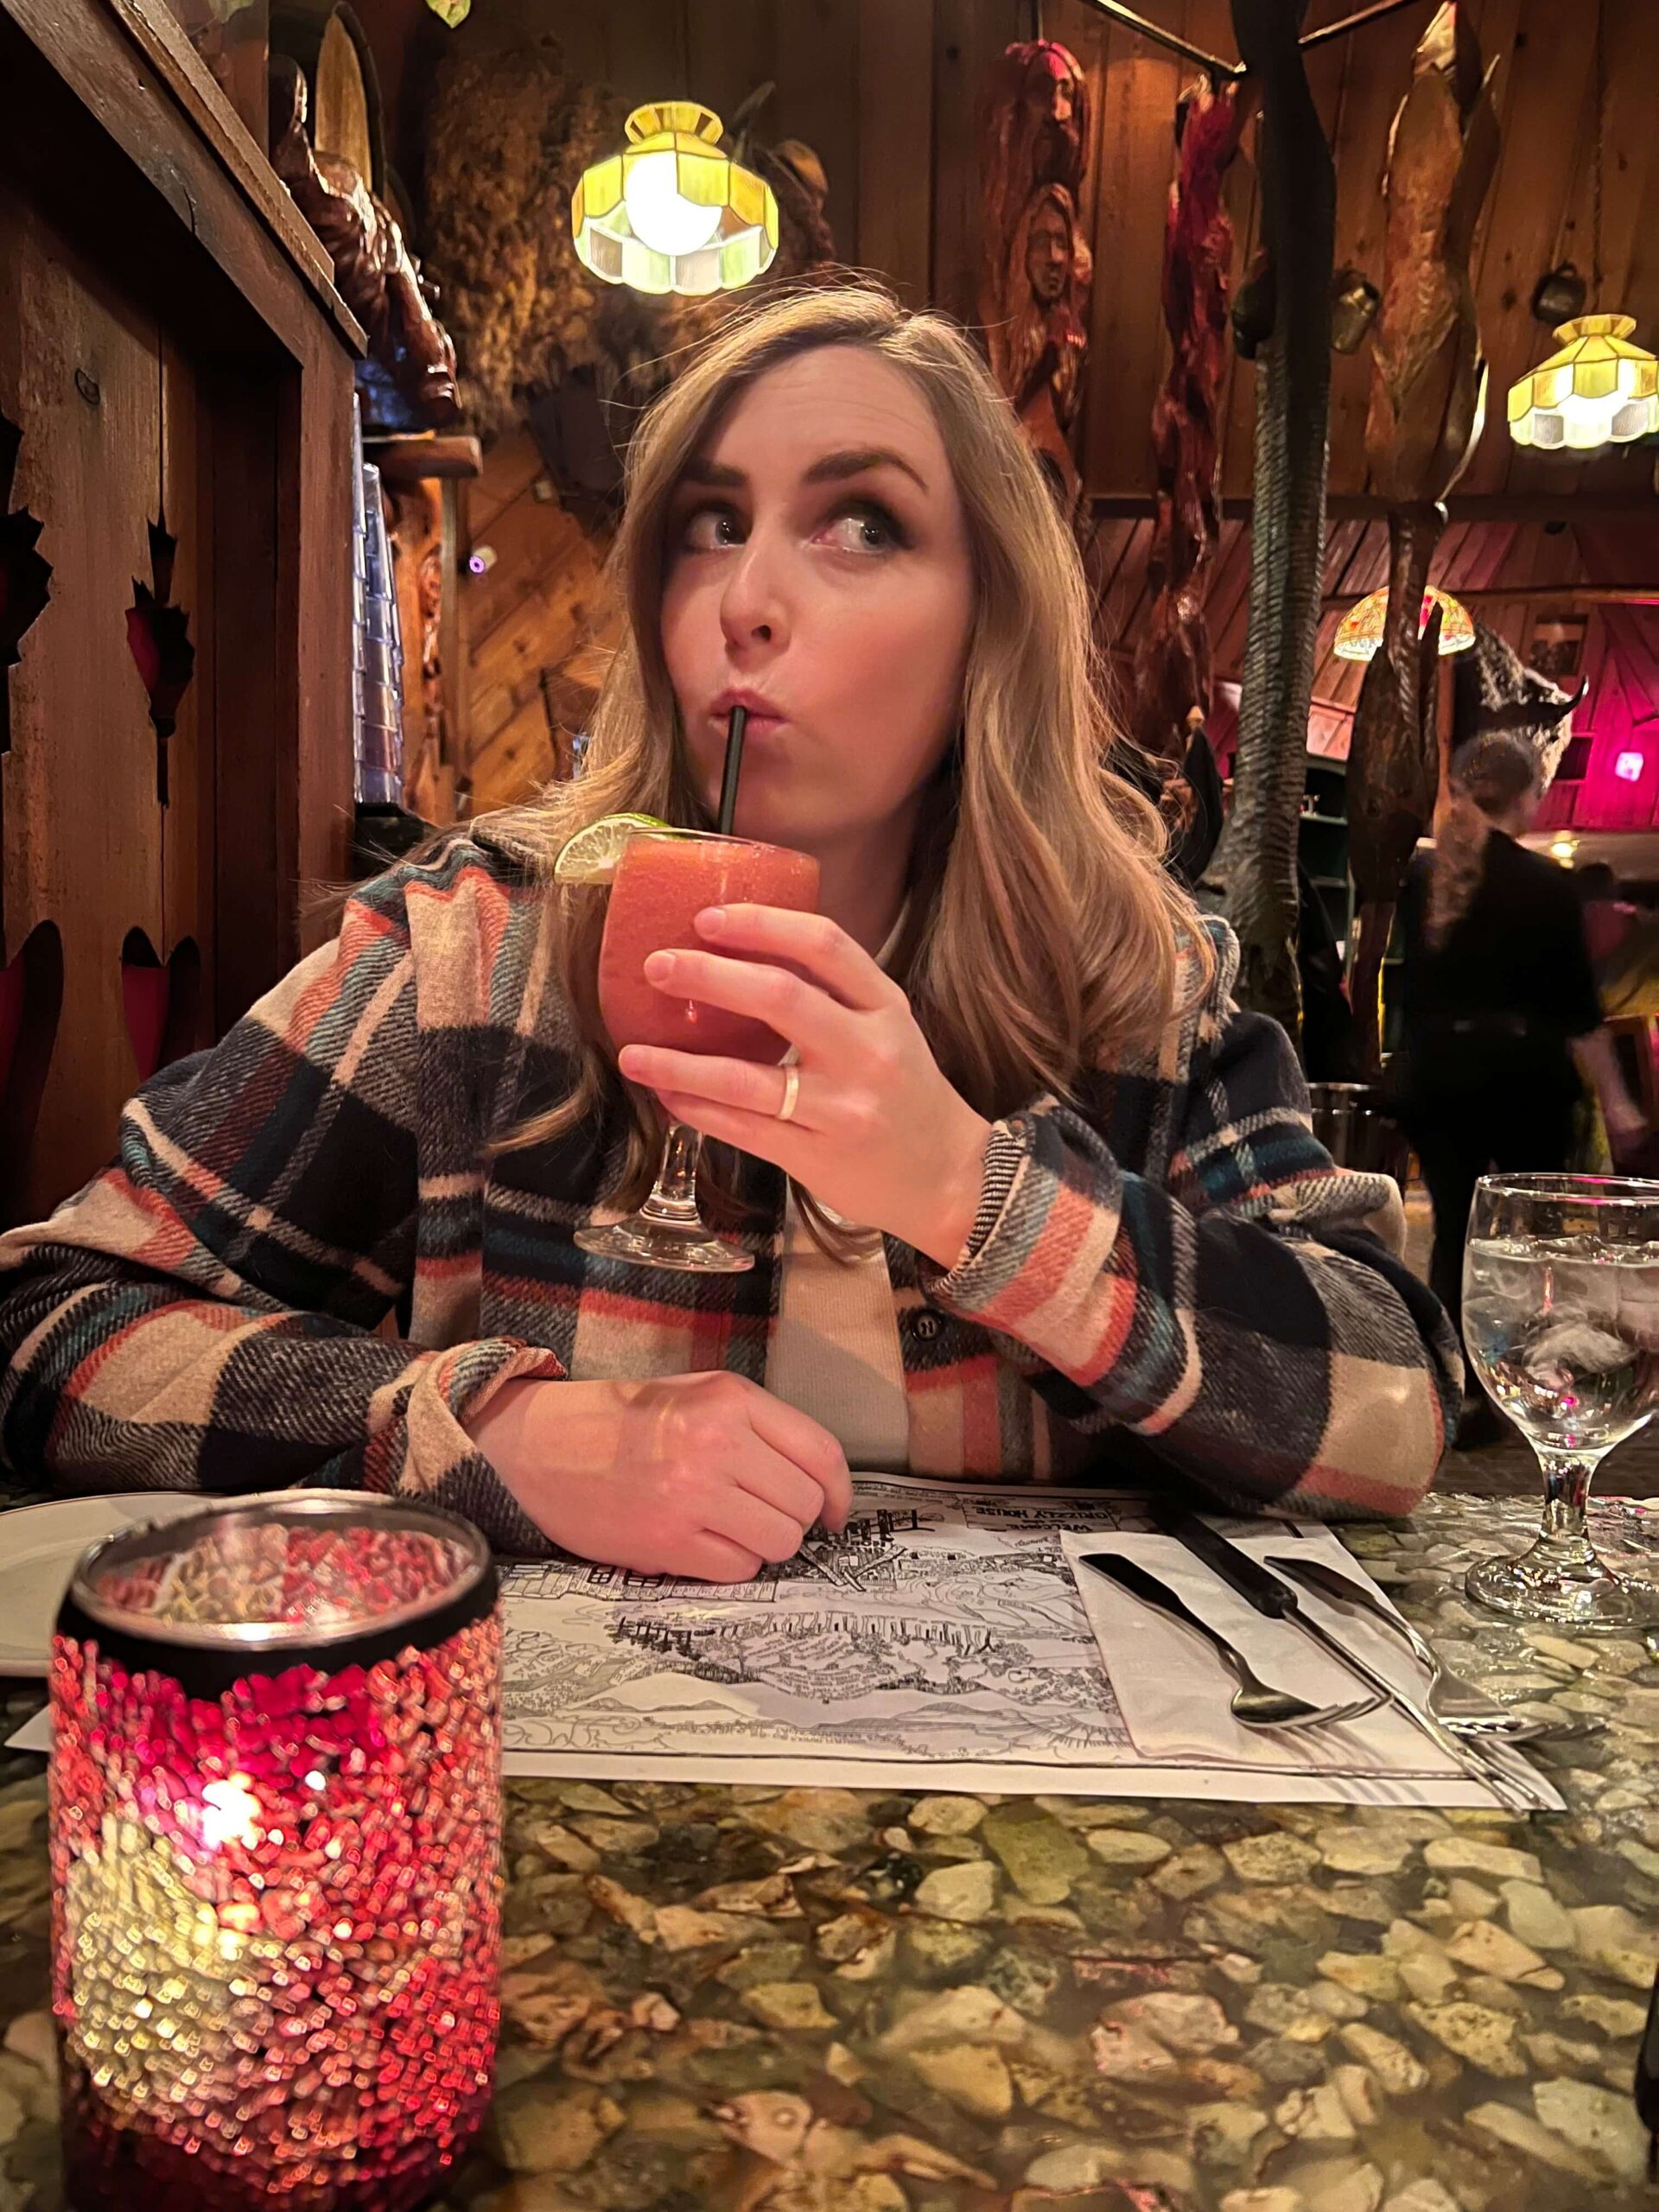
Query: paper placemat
point(939, 1642)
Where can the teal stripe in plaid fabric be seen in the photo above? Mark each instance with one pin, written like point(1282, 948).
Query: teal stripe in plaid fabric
point(305, 1265)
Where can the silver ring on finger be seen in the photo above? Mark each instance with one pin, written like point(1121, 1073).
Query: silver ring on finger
point(791, 1094)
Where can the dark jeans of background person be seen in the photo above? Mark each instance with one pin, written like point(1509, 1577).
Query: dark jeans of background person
point(1514, 1126)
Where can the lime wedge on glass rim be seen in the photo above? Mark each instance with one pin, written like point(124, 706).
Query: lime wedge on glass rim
point(591, 855)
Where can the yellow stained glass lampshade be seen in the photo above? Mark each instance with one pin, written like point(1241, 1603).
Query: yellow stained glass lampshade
point(672, 213)
point(1359, 634)
point(1599, 389)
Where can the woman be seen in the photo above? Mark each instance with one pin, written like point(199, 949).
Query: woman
point(1498, 1000)
point(1106, 1238)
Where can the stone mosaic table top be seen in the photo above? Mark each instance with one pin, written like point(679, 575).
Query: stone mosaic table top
point(821, 2000)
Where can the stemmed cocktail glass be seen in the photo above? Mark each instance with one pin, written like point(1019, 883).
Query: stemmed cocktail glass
point(663, 880)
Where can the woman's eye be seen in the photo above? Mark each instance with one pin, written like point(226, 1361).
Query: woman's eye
point(709, 530)
point(865, 527)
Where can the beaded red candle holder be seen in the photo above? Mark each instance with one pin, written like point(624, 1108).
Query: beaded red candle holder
point(275, 1813)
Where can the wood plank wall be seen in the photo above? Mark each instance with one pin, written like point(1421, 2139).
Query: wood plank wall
point(1538, 212)
point(887, 91)
point(532, 628)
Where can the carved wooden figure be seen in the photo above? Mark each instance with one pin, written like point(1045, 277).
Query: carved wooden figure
point(1170, 695)
point(408, 381)
point(1036, 268)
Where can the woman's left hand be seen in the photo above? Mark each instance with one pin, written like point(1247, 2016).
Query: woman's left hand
point(878, 1134)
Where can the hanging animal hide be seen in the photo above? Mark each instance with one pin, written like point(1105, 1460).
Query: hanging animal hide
point(1427, 391)
point(1495, 690)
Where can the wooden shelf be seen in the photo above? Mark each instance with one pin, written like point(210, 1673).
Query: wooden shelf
point(420, 455)
point(160, 39)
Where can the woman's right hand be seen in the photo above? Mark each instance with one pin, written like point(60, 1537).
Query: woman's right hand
point(702, 1474)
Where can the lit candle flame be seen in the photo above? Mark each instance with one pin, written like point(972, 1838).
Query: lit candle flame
point(230, 1813)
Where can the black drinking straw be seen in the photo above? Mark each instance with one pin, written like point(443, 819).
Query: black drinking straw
point(734, 728)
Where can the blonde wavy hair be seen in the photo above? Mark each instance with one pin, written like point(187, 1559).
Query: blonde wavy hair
point(1044, 934)
point(1487, 777)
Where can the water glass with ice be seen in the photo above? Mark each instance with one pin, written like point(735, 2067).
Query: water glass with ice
point(1561, 1317)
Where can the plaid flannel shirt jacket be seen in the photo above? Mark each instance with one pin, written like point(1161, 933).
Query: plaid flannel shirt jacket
point(1167, 1280)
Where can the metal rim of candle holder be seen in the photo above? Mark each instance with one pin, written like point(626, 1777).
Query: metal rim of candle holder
point(216, 1655)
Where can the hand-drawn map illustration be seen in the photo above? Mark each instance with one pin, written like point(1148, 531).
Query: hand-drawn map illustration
point(937, 1642)
point(942, 1625)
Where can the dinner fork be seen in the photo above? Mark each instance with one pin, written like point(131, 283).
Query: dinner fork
point(1455, 1703)
point(1255, 1703)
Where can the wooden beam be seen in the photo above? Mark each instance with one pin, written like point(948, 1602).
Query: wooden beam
point(1496, 594)
point(1371, 15)
point(1476, 506)
point(1168, 40)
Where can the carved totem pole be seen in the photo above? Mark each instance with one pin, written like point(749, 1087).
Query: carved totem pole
point(1171, 699)
point(1036, 268)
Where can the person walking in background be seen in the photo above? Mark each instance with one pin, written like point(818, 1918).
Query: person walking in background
point(1623, 941)
point(1500, 1011)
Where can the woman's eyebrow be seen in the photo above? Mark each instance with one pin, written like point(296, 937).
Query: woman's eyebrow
point(856, 461)
point(829, 468)
point(717, 474)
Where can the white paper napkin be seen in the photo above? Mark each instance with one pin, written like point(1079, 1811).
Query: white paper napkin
point(1173, 1687)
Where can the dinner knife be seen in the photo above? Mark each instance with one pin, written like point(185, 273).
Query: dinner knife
point(1267, 1594)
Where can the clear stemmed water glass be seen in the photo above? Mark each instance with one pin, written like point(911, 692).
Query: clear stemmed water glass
point(1560, 1316)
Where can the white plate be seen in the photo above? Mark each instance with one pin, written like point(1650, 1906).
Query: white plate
point(39, 1547)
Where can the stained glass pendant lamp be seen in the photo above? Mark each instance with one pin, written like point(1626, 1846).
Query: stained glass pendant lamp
point(1359, 634)
point(672, 213)
point(1599, 389)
